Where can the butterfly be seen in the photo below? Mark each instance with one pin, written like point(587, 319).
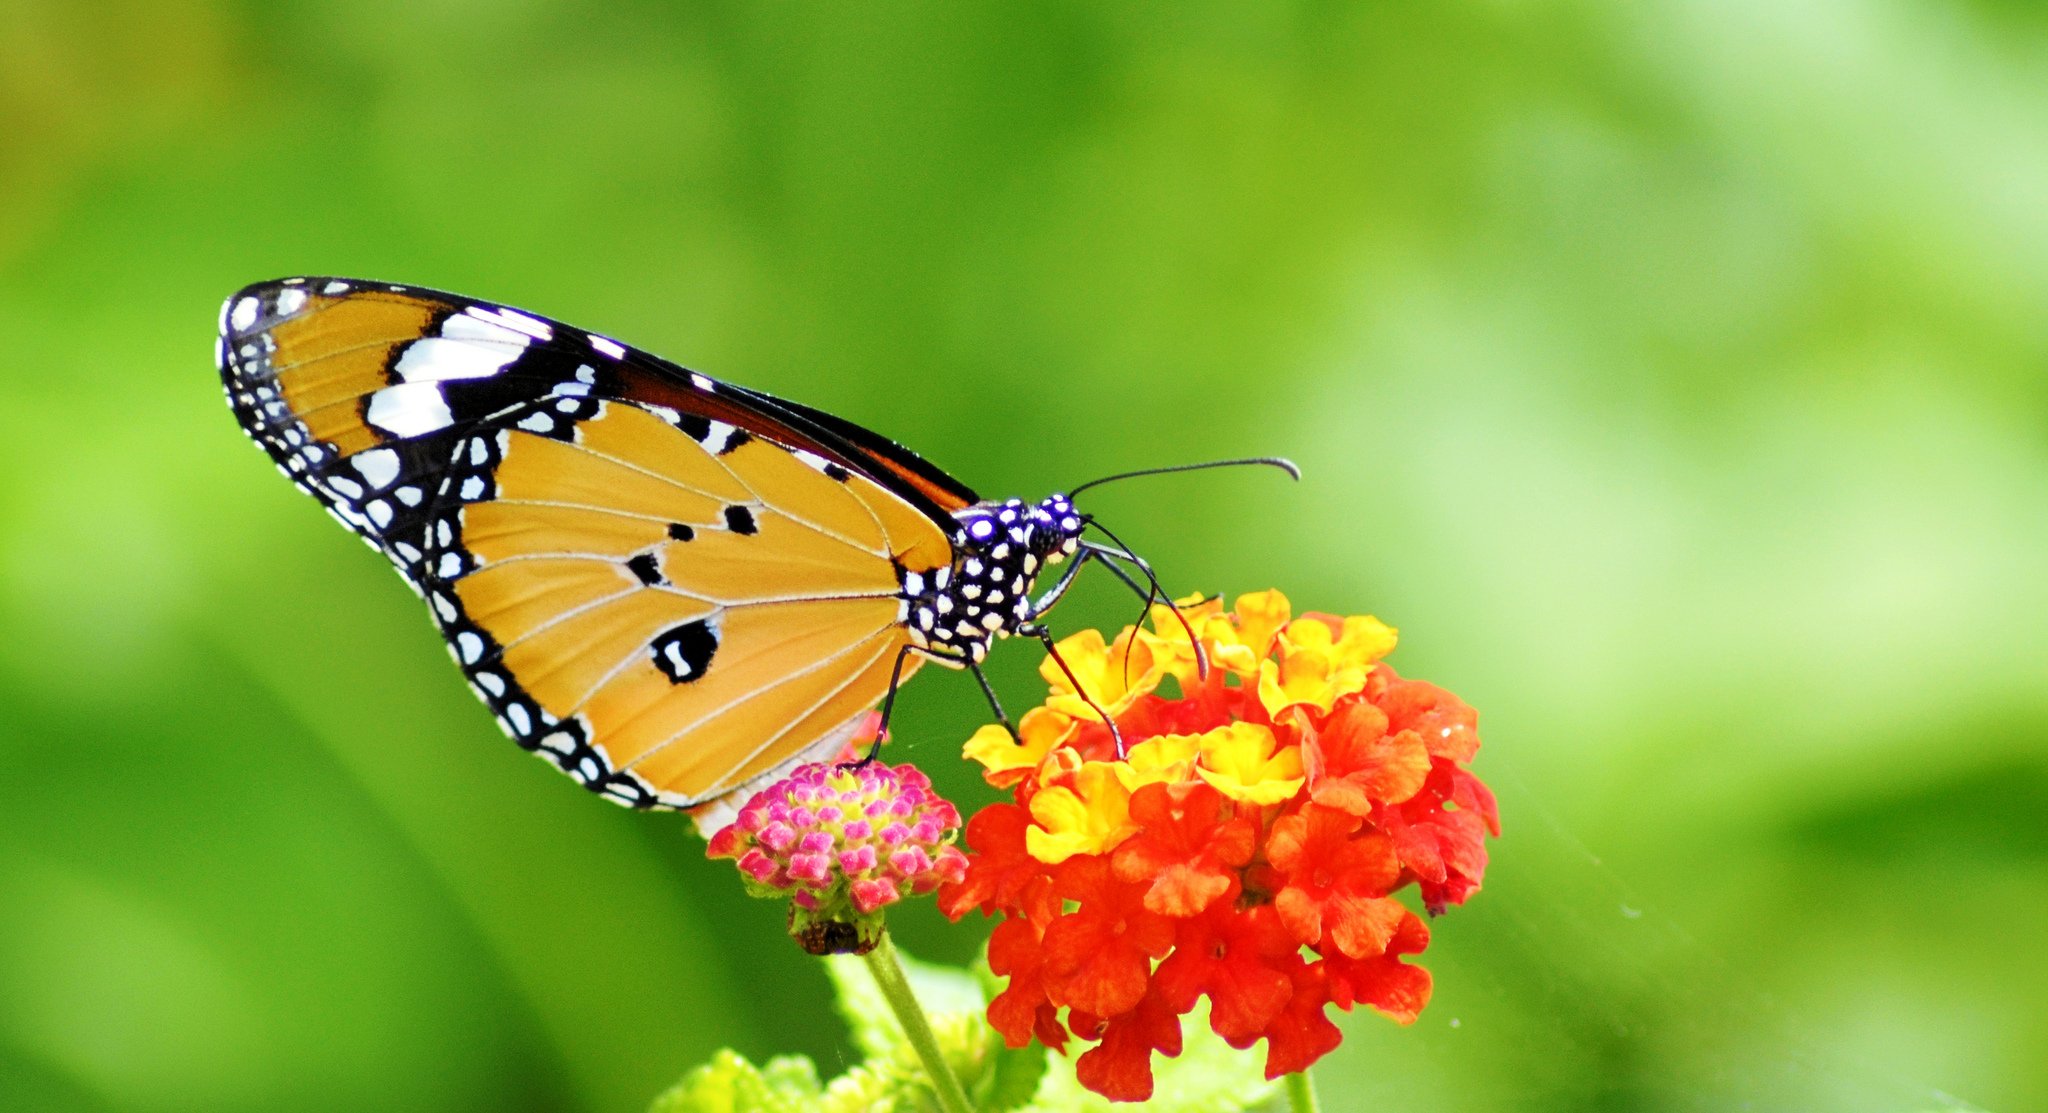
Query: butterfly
point(671, 587)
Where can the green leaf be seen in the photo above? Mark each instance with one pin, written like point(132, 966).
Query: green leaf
point(1013, 1077)
point(731, 1084)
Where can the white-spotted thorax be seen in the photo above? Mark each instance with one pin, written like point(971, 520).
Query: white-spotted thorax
point(954, 613)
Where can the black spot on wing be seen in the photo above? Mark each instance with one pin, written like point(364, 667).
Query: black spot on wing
point(682, 653)
point(646, 569)
point(677, 531)
point(697, 427)
point(740, 520)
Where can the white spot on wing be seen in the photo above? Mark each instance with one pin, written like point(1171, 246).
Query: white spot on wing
point(378, 467)
point(335, 287)
point(512, 319)
point(409, 409)
point(436, 359)
point(611, 348)
point(290, 301)
point(244, 314)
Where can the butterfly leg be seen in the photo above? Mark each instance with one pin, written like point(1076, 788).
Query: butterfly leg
point(994, 704)
point(888, 704)
point(1059, 588)
point(1034, 630)
point(896, 681)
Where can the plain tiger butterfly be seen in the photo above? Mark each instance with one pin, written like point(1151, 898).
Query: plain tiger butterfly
point(670, 586)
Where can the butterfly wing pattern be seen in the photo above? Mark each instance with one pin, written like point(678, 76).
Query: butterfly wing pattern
point(669, 586)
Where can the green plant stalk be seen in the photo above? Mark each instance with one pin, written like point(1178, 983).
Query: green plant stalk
point(888, 974)
point(1301, 1093)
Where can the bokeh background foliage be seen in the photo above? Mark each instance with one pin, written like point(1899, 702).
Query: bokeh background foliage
point(1670, 372)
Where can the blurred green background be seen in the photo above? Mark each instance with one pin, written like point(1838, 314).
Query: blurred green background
point(1670, 373)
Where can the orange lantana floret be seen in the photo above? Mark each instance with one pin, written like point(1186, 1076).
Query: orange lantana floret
point(1245, 845)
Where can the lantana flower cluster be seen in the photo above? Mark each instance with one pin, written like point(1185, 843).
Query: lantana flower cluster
point(1244, 846)
point(842, 841)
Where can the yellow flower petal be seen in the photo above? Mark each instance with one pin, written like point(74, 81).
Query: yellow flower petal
point(1114, 675)
point(1239, 760)
point(1365, 640)
point(1091, 817)
point(1313, 667)
point(1037, 733)
point(1216, 631)
point(1165, 757)
point(1260, 615)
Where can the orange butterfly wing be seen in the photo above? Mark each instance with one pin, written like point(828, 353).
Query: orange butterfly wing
point(668, 585)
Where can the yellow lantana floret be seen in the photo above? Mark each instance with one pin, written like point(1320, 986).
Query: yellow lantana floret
point(1260, 615)
point(1168, 639)
point(1091, 817)
point(1316, 665)
point(1365, 639)
point(1244, 761)
point(1038, 732)
point(1114, 683)
point(1164, 757)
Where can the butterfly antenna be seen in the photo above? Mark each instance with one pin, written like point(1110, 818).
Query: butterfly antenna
point(1248, 461)
point(1144, 612)
point(1152, 578)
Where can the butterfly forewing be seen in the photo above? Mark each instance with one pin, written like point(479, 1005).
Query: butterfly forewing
point(667, 585)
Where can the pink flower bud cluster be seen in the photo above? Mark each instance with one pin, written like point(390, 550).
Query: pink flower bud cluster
point(844, 841)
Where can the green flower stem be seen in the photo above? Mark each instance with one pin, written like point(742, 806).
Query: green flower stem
point(1301, 1093)
point(888, 974)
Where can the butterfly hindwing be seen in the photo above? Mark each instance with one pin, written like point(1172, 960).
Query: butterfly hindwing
point(667, 585)
point(685, 610)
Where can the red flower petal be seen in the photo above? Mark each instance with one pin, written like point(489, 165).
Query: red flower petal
point(1120, 1067)
point(1243, 960)
point(1446, 725)
point(1189, 849)
point(1301, 1034)
point(999, 870)
point(1444, 849)
point(1336, 881)
point(1384, 982)
point(1022, 1010)
point(1099, 957)
point(1361, 762)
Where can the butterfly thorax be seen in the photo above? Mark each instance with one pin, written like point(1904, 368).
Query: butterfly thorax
point(955, 613)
